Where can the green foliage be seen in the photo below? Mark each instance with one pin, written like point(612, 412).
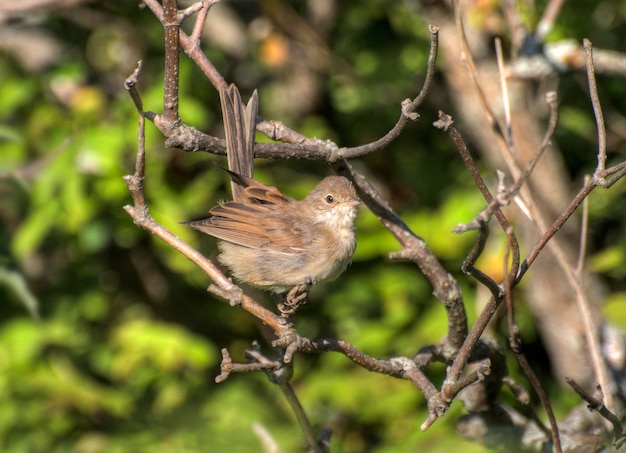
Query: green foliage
point(60, 374)
point(615, 309)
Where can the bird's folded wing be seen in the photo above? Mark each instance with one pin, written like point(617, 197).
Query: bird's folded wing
point(263, 194)
point(256, 192)
point(251, 225)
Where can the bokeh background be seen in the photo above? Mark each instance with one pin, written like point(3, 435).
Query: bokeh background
point(109, 341)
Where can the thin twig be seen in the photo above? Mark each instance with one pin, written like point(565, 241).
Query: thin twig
point(616, 173)
point(505, 96)
point(451, 389)
point(471, 69)
point(191, 48)
point(205, 6)
point(547, 20)
point(468, 267)
point(295, 145)
point(414, 249)
point(556, 226)
point(598, 405)
point(503, 198)
point(130, 84)
point(303, 420)
point(201, 20)
point(445, 122)
point(281, 376)
point(500, 136)
point(553, 120)
point(454, 372)
point(575, 281)
point(191, 9)
point(408, 107)
point(430, 68)
point(516, 346)
point(584, 230)
point(227, 366)
point(597, 107)
point(587, 318)
point(517, 29)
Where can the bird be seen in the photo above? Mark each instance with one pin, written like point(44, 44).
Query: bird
point(276, 243)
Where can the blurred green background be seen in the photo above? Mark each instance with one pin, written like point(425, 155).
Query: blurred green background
point(108, 339)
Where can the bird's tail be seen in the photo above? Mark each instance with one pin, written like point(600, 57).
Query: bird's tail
point(240, 127)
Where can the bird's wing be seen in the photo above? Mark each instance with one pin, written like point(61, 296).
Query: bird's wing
point(252, 225)
point(256, 192)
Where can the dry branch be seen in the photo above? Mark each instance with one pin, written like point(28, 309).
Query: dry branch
point(479, 387)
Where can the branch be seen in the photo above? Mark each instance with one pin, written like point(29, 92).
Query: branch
point(597, 405)
point(295, 145)
point(546, 23)
point(598, 179)
point(171, 25)
point(223, 287)
point(414, 249)
point(515, 343)
point(408, 110)
point(597, 108)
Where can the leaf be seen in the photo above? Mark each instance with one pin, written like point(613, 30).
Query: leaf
point(16, 284)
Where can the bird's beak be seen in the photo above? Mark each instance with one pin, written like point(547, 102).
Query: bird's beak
point(353, 202)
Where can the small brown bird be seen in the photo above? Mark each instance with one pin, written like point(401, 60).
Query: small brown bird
point(274, 242)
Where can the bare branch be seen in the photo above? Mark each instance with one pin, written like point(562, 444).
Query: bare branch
point(597, 405)
point(171, 25)
point(471, 69)
point(597, 108)
point(589, 323)
point(446, 289)
point(468, 267)
point(191, 48)
point(532, 163)
point(130, 84)
point(516, 346)
point(584, 230)
point(505, 96)
point(550, 14)
point(201, 20)
point(407, 111)
point(515, 24)
point(305, 425)
point(445, 122)
point(295, 144)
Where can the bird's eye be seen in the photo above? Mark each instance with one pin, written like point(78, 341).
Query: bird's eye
point(329, 199)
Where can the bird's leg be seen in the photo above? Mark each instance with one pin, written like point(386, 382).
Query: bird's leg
point(295, 298)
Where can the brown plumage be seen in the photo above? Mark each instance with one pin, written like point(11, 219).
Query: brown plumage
point(274, 242)
point(268, 239)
